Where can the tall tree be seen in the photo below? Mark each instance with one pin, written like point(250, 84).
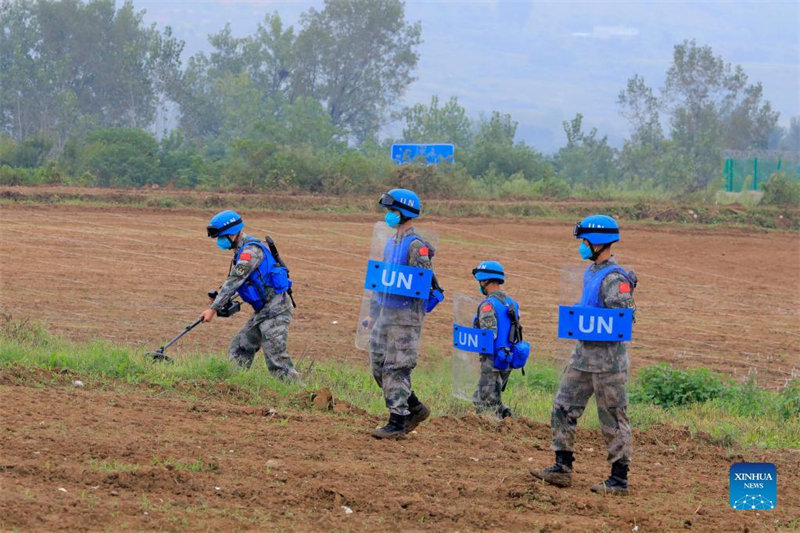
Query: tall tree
point(434, 124)
point(68, 64)
point(640, 107)
point(586, 159)
point(263, 61)
point(709, 106)
point(713, 108)
point(791, 139)
point(356, 57)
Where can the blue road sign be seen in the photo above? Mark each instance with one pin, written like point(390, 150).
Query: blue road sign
point(431, 154)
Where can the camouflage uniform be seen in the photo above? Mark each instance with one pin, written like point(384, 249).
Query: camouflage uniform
point(394, 340)
point(492, 381)
point(268, 328)
point(599, 368)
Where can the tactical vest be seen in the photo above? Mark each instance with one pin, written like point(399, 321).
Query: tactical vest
point(503, 320)
point(255, 289)
point(593, 282)
point(397, 254)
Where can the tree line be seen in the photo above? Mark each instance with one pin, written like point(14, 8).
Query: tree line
point(82, 85)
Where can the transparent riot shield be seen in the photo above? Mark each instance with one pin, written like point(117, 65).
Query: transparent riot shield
point(569, 293)
point(468, 344)
point(393, 291)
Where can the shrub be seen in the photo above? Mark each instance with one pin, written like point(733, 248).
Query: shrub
point(790, 401)
point(118, 158)
point(668, 387)
point(781, 190)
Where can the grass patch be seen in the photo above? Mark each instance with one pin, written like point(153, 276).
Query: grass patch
point(113, 466)
point(726, 210)
point(730, 412)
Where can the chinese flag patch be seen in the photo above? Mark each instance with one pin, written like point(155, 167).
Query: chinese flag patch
point(486, 308)
point(424, 250)
point(625, 287)
point(245, 256)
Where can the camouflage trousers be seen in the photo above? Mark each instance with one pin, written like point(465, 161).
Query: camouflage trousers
point(611, 397)
point(490, 386)
point(393, 354)
point(270, 333)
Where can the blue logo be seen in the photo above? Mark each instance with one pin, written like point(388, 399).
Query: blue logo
point(595, 323)
point(753, 486)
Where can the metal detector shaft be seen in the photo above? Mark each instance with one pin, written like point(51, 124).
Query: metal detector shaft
point(181, 334)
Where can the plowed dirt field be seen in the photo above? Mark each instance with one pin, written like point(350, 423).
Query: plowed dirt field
point(143, 458)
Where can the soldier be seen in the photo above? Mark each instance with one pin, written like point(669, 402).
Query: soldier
point(397, 320)
point(261, 282)
point(599, 368)
point(493, 314)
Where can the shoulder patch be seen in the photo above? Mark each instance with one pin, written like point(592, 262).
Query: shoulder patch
point(424, 250)
point(245, 256)
point(625, 287)
point(485, 308)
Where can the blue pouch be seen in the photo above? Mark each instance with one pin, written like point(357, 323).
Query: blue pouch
point(436, 297)
point(520, 353)
point(502, 359)
point(279, 280)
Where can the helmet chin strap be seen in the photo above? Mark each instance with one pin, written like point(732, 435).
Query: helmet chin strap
point(596, 253)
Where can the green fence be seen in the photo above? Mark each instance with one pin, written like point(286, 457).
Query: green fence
point(750, 173)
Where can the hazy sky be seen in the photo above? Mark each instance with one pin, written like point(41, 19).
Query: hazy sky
point(543, 62)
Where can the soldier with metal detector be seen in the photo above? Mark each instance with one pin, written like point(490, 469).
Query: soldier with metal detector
point(259, 276)
point(601, 322)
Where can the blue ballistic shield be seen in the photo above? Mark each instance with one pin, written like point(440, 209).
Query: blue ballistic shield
point(595, 323)
point(431, 154)
point(472, 339)
point(401, 280)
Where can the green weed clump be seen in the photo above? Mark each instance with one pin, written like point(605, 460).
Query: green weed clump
point(665, 386)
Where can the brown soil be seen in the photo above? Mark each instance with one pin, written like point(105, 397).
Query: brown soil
point(143, 458)
point(94, 459)
point(722, 298)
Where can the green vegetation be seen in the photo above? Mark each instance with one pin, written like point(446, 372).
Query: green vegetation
point(301, 109)
point(729, 413)
point(669, 387)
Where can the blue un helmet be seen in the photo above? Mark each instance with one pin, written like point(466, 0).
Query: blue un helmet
point(225, 223)
point(403, 200)
point(489, 270)
point(597, 229)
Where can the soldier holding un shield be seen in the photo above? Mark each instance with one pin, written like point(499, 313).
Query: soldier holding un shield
point(396, 320)
point(599, 368)
point(262, 282)
point(493, 314)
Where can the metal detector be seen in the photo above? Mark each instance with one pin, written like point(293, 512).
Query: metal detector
point(159, 354)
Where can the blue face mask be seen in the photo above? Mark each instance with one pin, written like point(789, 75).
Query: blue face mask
point(224, 243)
point(392, 219)
point(585, 250)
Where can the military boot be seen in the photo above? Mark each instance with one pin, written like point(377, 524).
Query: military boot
point(419, 412)
point(617, 482)
point(505, 412)
point(395, 429)
point(560, 474)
